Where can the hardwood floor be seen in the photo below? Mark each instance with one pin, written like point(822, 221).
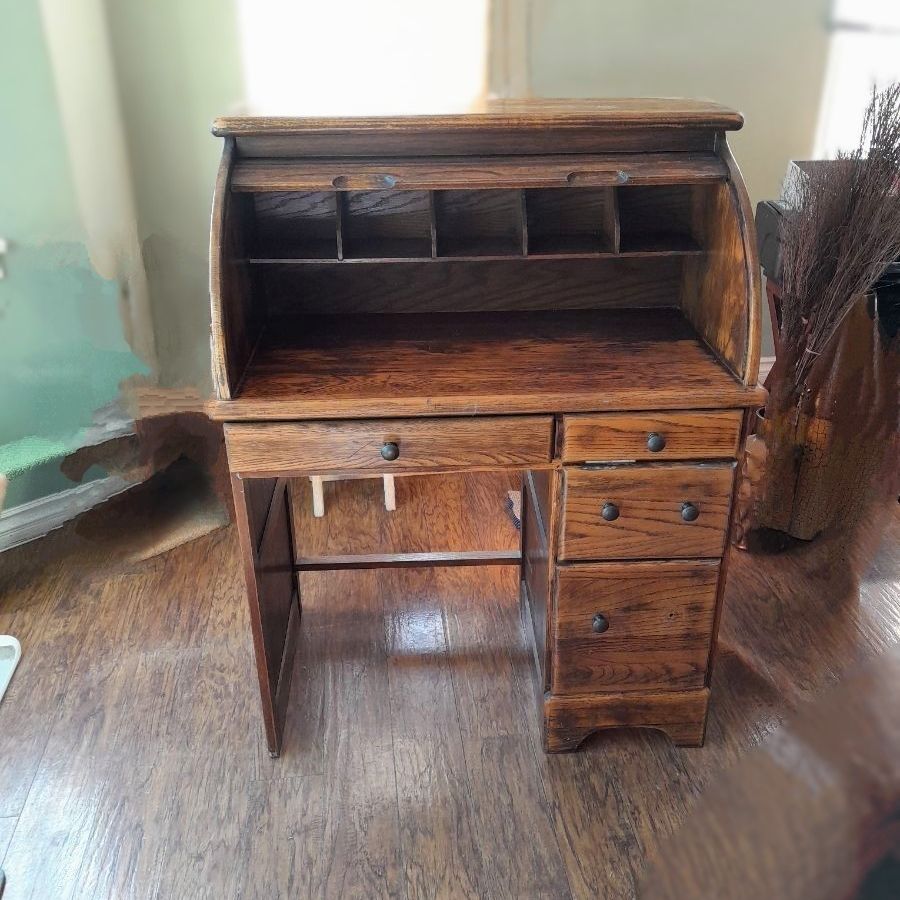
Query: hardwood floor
point(132, 762)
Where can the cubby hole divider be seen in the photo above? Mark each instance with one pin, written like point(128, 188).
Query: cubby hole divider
point(658, 218)
point(478, 223)
point(433, 225)
point(568, 220)
point(613, 224)
point(339, 223)
point(523, 222)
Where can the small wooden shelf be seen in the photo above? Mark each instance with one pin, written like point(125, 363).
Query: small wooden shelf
point(657, 216)
point(461, 252)
point(297, 227)
point(302, 223)
point(385, 224)
point(463, 363)
point(478, 223)
point(571, 220)
point(658, 244)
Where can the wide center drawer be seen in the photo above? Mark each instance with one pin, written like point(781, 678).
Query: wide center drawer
point(611, 437)
point(621, 512)
point(389, 445)
point(634, 626)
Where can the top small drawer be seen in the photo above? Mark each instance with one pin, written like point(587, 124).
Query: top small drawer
point(389, 445)
point(614, 437)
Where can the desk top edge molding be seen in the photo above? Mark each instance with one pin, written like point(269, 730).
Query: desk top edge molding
point(505, 114)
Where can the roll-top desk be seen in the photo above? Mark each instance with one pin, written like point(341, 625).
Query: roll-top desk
point(568, 289)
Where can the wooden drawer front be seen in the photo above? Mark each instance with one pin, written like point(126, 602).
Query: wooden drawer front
point(650, 502)
point(660, 619)
point(423, 444)
point(666, 435)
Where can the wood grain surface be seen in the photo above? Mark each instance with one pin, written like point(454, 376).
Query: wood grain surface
point(486, 363)
point(131, 753)
point(824, 826)
point(680, 715)
point(611, 437)
point(423, 445)
point(235, 319)
point(540, 511)
point(272, 594)
point(473, 172)
point(474, 284)
point(660, 617)
point(649, 500)
point(721, 291)
point(521, 126)
point(536, 113)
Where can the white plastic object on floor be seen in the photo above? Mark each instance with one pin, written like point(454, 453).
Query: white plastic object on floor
point(10, 654)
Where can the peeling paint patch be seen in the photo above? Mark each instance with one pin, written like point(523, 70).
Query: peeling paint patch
point(64, 356)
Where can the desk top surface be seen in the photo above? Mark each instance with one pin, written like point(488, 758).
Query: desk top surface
point(500, 114)
point(467, 363)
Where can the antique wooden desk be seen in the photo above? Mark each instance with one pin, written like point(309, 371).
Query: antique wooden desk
point(569, 289)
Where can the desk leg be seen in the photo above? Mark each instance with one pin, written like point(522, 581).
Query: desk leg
point(263, 519)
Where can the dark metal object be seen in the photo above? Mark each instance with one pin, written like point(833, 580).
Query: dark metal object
point(390, 451)
point(769, 218)
point(690, 512)
point(656, 442)
point(600, 623)
point(610, 512)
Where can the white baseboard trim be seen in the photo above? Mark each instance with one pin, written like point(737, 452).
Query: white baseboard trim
point(34, 519)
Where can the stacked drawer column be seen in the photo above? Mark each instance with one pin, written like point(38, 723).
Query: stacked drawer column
point(635, 580)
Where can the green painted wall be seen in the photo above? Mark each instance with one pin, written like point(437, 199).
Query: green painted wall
point(62, 354)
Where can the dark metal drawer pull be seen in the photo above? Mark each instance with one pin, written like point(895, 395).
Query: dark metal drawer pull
point(690, 512)
point(600, 623)
point(390, 451)
point(656, 442)
point(610, 512)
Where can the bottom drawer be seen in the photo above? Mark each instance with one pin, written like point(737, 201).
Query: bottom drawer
point(636, 626)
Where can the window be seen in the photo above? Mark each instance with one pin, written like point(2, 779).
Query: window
point(358, 57)
point(864, 52)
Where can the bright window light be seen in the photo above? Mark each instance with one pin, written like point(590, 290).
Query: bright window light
point(360, 57)
point(864, 53)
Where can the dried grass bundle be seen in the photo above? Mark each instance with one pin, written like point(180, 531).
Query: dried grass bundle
point(844, 231)
point(830, 423)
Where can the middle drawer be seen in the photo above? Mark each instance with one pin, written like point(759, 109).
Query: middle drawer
point(621, 512)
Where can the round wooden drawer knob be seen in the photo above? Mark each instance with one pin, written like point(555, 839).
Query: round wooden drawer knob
point(390, 451)
point(600, 623)
point(690, 511)
point(656, 442)
point(610, 512)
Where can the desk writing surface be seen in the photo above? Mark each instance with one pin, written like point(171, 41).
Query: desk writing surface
point(329, 366)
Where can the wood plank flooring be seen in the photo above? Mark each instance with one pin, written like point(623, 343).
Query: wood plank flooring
point(132, 761)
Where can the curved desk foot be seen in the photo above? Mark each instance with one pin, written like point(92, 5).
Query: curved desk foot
point(569, 720)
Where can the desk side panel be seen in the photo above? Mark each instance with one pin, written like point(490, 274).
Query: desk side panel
point(263, 519)
point(235, 316)
point(721, 289)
